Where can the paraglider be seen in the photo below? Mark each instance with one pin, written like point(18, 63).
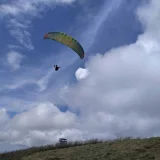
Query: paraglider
point(66, 40)
point(56, 67)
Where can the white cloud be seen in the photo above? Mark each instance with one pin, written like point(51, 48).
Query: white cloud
point(45, 116)
point(42, 83)
point(120, 96)
point(13, 46)
point(14, 59)
point(18, 29)
point(16, 104)
point(3, 118)
point(31, 7)
point(40, 125)
point(17, 85)
point(81, 73)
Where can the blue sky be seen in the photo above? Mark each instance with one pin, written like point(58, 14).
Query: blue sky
point(115, 37)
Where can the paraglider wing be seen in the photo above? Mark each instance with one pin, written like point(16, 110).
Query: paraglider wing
point(66, 40)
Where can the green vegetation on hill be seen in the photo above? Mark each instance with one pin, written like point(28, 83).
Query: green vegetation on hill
point(119, 149)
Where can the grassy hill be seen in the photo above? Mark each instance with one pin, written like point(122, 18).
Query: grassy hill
point(119, 149)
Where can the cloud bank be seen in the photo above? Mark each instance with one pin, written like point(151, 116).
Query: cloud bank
point(14, 59)
point(120, 96)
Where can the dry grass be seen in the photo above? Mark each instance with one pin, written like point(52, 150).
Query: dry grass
point(120, 149)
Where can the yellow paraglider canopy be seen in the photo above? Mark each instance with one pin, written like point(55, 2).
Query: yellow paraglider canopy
point(66, 40)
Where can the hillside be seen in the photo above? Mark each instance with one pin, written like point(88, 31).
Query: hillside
point(120, 149)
